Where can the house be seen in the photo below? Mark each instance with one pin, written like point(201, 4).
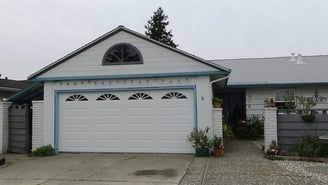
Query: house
point(9, 87)
point(122, 92)
point(255, 80)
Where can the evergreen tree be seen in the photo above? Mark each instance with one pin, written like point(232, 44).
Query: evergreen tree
point(156, 28)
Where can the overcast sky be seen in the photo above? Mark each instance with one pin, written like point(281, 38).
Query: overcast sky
point(35, 33)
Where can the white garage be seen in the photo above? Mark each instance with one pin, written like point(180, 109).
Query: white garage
point(123, 92)
point(154, 121)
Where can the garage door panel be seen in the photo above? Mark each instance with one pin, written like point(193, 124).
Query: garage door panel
point(156, 125)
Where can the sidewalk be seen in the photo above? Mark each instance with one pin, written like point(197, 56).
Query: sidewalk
point(243, 163)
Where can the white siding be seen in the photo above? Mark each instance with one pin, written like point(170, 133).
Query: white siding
point(156, 59)
point(255, 97)
point(204, 105)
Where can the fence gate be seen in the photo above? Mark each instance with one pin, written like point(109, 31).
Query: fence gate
point(19, 129)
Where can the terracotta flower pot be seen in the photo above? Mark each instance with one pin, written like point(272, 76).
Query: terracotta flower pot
point(217, 104)
point(218, 152)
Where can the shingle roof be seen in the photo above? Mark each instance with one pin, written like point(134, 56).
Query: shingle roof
point(276, 71)
point(12, 85)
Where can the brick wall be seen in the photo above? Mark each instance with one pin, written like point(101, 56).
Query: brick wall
point(4, 126)
point(270, 126)
point(217, 122)
point(37, 124)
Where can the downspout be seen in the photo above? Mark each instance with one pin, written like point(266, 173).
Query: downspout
point(217, 80)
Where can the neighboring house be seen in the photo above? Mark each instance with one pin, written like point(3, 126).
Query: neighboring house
point(253, 80)
point(123, 92)
point(9, 87)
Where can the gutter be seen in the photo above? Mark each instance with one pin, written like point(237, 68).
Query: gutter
point(220, 79)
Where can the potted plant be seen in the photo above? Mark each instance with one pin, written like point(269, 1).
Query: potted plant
point(217, 146)
point(217, 102)
point(306, 104)
point(199, 140)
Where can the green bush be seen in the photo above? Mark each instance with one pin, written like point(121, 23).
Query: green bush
point(42, 151)
point(309, 146)
point(253, 129)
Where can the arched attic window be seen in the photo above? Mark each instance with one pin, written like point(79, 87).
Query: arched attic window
point(122, 53)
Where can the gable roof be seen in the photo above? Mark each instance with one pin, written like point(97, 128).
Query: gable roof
point(113, 32)
point(276, 71)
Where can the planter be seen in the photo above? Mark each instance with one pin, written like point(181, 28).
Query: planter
point(218, 152)
point(202, 152)
point(308, 117)
point(217, 104)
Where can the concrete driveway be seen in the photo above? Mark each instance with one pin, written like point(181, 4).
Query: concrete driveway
point(95, 169)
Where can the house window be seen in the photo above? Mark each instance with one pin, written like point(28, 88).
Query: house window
point(77, 97)
point(176, 95)
point(122, 53)
point(140, 96)
point(283, 97)
point(107, 97)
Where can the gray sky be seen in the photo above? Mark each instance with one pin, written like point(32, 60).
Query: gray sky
point(35, 33)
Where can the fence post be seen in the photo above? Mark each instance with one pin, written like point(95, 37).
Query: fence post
point(37, 124)
point(217, 122)
point(270, 126)
point(4, 127)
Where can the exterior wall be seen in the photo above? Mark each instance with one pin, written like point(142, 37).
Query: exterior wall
point(156, 59)
point(255, 97)
point(217, 122)
point(37, 124)
point(4, 127)
point(270, 127)
point(202, 83)
point(291, 129)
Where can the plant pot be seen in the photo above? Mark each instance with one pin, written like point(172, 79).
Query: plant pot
point(308, 117)
point(202, 152)
point(217, 104)
point(218, 152)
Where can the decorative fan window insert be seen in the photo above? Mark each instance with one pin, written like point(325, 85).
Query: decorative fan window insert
point(176, 95)
point(77, 97)
point(140, 96)
point(122, 54)
point(107, 97)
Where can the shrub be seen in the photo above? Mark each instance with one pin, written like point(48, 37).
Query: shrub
point(309, 146)
point(42, 151)
point(253, 129)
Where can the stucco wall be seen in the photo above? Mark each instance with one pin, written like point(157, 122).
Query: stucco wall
point(204, 102)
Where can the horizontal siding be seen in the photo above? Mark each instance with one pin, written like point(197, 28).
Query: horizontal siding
point(255, 97)
point(156, 59)
point(291, 129)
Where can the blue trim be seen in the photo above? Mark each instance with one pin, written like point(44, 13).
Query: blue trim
point(126, 76)
point(278, 85)
point(56, 122)
point(58, 92)
point(21, 92)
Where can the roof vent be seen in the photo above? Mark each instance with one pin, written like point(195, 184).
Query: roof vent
point(293, 57)
point(299, 59)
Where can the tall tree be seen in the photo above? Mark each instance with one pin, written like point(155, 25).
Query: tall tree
point(156, 28)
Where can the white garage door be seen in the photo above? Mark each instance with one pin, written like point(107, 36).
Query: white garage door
point(156, 121)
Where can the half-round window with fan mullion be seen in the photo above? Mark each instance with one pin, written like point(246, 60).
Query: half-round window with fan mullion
point(140, 96)
point(122, 53)
point(77, 97)
point(107, 97)
point(176, 95)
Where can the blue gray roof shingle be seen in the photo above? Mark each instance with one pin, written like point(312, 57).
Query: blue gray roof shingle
point(276, 71)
